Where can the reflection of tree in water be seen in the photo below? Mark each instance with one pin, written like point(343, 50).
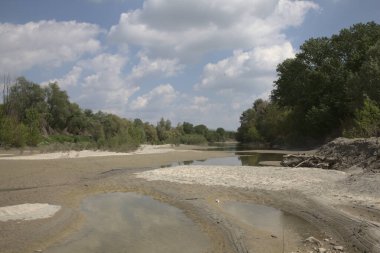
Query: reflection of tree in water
point(188, 162)
point(255, 159)
point(251, 160)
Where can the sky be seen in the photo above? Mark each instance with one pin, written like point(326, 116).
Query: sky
point(199, 61)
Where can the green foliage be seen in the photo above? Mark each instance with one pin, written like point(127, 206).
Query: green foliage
point(12, 133)
point(201, 129)
point(150, 133)
point(33, 127)
point(366, 121)
point(163, 130)
point(31, 115)
point(188, 128)
point(193, 139)
point(322, 88)
point(58, 106)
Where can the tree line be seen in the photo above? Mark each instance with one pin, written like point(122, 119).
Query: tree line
point(33, 115)
point(331, 88)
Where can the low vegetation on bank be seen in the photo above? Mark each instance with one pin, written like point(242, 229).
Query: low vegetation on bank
point(33, 115)
point(330, 89)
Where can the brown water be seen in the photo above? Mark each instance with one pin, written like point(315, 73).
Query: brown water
point(267, 218)
point(239, 159)
point(128, 222)
point(272, 230)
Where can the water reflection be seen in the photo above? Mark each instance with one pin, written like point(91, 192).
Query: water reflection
point(240, 159)
point(254, 159)
point(234, 147)
point(267, 219)
point(127, 222)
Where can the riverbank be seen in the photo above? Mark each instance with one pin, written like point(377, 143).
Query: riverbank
point(343, 208)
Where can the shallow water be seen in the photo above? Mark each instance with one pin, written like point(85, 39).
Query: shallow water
point(240, 159)
point(267, 219)
point(128, 222)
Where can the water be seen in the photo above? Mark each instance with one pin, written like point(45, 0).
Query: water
point(128, 222)
point(267, 219)
point(239, 159)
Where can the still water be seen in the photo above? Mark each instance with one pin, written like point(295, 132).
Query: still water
point(128, 222)
point(265, 218)
point(239, 159)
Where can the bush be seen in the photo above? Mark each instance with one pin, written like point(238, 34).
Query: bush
point(193, 139)
point(366, 122)
point(12, 134)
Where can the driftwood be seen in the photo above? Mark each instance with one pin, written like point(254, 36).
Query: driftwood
point(302, 160)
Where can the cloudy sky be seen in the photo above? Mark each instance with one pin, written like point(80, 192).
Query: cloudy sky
point(201, 61)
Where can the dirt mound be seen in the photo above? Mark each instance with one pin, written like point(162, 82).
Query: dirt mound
point(363, 153)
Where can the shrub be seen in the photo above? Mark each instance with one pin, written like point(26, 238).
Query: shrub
point(193, 139)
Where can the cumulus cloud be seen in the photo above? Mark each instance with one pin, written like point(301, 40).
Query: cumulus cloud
point(69, 80)
point(100, 83)
point(245, 70)
point(189, 29)
point(159, 66)
point(246, 40)
point(160, 97)
point(45, 43)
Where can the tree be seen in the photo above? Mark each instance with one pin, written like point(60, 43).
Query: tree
point(328, 80)
point(201, 130)
point(366, 121)
point(24, 95)
point(221, 134)
point(163, 128)
point(188, 128)
point(33, 136)
point(151, 133)
point(59, 107)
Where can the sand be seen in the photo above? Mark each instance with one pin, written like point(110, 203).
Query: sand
point(28, 211)
point(343, 206)
point(313, 182)
point(142, 150)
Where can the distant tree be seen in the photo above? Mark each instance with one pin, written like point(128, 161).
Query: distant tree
point(201, 130)
point(24, 95)
point(221, 134)
point(150, 133)
point(188, 128)
point(163, 129)
point(58, 106)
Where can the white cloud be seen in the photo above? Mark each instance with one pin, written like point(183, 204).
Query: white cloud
point(245, 71)
point(188, 29)
point(70, 79)
point(160, 97)
point(100, 83)
point(159, 66)
point(45, 43)
point(171, 38)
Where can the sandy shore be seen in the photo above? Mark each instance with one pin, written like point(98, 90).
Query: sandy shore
point(142, 150)
point(343, 207)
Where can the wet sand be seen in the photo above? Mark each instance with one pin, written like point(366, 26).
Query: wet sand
point(348, 216)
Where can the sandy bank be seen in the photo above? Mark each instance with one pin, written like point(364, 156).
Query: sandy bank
point(143, 149)
point(193, 189)
point(318, 183)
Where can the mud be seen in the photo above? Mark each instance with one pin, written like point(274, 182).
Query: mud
point(68, 182)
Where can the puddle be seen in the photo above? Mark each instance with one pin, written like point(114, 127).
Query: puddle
point(128, 222)
point(240, 159)
point(270, 230)
point(267, 219)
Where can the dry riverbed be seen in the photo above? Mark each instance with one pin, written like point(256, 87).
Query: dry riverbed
point(333, 208)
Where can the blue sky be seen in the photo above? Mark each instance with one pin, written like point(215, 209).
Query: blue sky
point(198, 61)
